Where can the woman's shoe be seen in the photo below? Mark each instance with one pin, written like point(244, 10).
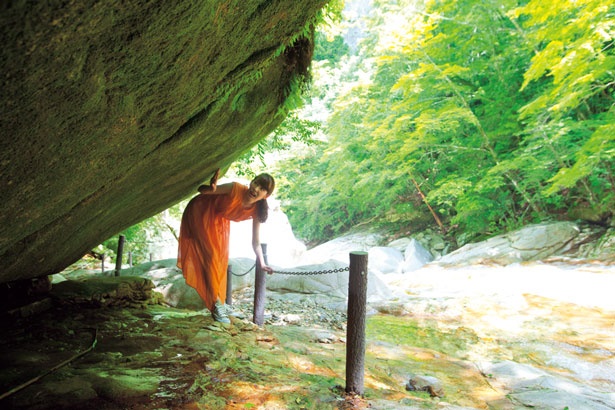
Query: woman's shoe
point(219, 313)
point(232, 312)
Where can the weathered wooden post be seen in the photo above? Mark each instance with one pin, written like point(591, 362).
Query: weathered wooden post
point(102, 263)
point(120, 251)
point(130, 259)
point(259, 290)
point(355, 333)
point(229, 286)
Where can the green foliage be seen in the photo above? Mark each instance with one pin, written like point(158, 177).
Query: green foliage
point(331, 51)
point(145, 237)
point(294, 130)
point(405, 332)
point(501, 112)
point(495, 114)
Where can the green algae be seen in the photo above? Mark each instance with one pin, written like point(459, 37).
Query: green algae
point(406, 331)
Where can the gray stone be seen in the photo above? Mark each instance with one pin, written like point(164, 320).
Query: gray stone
point(530, 243)
point(105, 291)
point(415, 256)
point(533, 387)
point(334, 285)
point(385, 259)
point(603, 248)
point(429, 384)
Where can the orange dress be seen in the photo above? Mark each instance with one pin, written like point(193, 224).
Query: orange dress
point(204, 241)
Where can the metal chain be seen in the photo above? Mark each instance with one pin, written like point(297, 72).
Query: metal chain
point(319, 272)
point(245, 273)
point(298, 273)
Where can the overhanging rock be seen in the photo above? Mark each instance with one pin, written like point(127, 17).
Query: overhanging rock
point(112, 111)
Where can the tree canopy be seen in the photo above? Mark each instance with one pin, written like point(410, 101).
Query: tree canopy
point(478, 116)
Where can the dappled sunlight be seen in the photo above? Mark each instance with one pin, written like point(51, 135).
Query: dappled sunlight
point(304, 365)
point(546, 324)
point(389, 365)
point(270, 395)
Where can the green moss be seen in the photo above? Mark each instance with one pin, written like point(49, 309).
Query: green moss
point(405, 331)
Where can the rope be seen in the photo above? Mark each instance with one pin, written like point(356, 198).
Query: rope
point(53, 369)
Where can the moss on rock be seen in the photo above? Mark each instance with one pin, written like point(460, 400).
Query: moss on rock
point(113, 111)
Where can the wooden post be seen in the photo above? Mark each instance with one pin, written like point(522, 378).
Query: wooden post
point(130, 259)
point(102, 263)
point(229, 286)
point(151, 257)
point(355, 333)
point(120, 251)
point(259, 290)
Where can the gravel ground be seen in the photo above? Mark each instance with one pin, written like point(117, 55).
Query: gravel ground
point(282, 310)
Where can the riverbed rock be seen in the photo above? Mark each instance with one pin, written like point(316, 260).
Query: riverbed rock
point(330, 280)
point(339, 248)
point(602, 248)
point(385, 259)
point(530, 243)
point(415, 256)
point(533, 388)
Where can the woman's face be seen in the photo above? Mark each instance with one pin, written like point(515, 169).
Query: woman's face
point(256, 192)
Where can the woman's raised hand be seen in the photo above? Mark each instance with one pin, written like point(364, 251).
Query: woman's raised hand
point(213, 183)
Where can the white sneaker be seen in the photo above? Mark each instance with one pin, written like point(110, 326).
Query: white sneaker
point(231, 312)
point(220, 314)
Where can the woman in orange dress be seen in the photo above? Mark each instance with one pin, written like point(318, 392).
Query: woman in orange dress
point(205, 230)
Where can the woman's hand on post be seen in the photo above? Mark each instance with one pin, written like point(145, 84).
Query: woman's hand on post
point(267, 269)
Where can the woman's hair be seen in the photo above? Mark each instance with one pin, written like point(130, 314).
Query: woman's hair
point(266, 182)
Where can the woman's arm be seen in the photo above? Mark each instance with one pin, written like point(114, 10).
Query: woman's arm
point(256, 245)
point(213, 187)
point(217, 189)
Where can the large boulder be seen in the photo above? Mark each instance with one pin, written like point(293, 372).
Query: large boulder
point(113, 111)
point(533, 242)
point(415, 256)
point(339, 248)
point(329, 279)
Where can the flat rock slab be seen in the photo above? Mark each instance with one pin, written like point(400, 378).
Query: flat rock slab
point(101, 290)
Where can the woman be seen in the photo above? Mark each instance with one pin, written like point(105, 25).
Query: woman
point(205, 230)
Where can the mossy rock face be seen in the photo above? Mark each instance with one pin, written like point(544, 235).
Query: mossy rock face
point(112, 111)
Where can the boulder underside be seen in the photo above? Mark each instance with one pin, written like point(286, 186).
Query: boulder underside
point(114, 111)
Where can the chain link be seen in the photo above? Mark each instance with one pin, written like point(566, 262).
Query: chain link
point(297, 273)
point(319, 272)
point(242, 274)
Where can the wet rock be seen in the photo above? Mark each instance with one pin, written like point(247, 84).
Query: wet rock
point(126, 383)
point(426, 383)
